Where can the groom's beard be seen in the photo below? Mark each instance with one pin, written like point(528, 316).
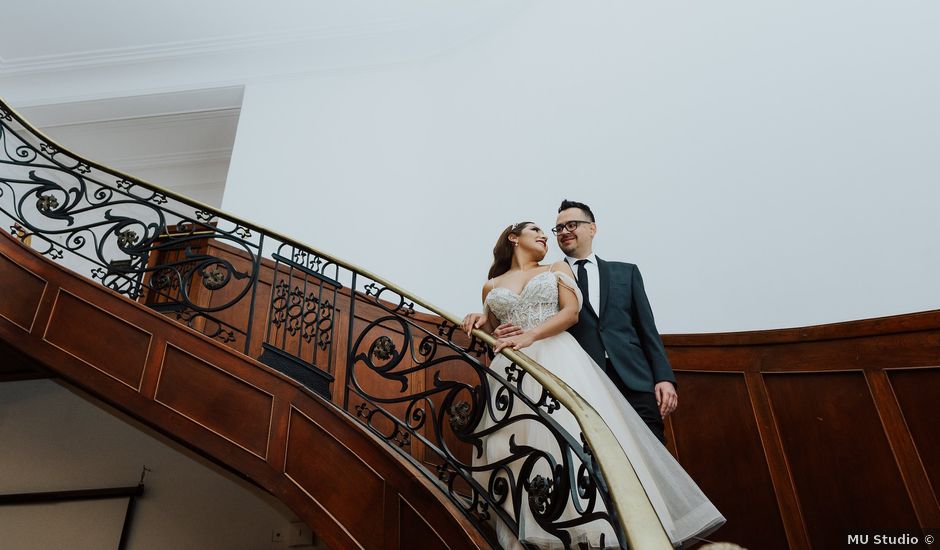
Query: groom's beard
point(568, 250)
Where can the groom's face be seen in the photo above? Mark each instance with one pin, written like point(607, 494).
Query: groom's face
point(575, 243)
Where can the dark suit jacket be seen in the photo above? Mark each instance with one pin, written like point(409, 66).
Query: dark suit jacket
point(624, 329)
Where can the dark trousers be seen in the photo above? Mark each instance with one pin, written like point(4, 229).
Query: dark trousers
point(643, 402)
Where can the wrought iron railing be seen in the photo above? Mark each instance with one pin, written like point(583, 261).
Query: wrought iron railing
point(411, 378)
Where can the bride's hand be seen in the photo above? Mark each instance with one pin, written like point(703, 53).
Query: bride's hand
point(472, 321)
point(517, 342)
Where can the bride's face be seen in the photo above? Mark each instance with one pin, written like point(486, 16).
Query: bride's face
point(532, 242)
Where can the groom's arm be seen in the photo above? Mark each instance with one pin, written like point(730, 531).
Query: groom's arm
point(506, 330)
point(645, 326)
point(664, 381)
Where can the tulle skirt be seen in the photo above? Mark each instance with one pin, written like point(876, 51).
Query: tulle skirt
point(681, 506)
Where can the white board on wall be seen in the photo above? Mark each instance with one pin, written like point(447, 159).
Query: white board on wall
point(72, 525)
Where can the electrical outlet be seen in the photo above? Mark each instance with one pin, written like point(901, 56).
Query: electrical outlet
point(277, 535)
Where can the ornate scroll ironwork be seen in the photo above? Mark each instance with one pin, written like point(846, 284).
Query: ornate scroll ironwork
point(497, 439)
point(303, 315)
point(134, 239)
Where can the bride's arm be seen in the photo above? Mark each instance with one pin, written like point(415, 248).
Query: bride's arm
point(566, 317)
point(483, 321)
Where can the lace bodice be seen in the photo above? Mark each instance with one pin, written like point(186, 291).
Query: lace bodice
point(537, 302)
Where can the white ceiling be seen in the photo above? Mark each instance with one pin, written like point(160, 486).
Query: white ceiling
point(154, 88)
point(54, 34)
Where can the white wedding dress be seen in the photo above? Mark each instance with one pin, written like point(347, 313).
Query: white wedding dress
point(683, 509)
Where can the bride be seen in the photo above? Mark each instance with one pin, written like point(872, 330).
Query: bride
point(544, 301)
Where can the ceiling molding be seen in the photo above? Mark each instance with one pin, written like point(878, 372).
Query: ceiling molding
point(207, 46)
point(152, 122)
point(105, 109)
point(166, 160)
point(238, 58)
point(153, 52)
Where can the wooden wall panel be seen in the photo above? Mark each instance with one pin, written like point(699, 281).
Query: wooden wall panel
point(916, 392)
point(20, 293)
point(216, 400)
point(338, 366)
point(414, 530)
point(884, 351)
point(321, 466)
point(16, 365)
point(99, 338)
point(847, 420)
point(714, 430)
point(842, 464)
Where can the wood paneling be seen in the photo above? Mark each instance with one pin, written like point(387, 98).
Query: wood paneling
point(415, 532)
point(913, 474)
point(321, 466)
point(16, 365)
point(20, 293)
point(716, 427)
point(887, 351)
point(99, 338)
point(916, 392)
point(215, 399)
point(847, 419)
point(897, 324)
point(845, 474)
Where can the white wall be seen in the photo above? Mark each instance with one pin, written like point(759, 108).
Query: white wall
point(765, 165)
point(56, 440)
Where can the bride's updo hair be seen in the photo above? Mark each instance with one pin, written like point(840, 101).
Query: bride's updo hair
point(502, 252)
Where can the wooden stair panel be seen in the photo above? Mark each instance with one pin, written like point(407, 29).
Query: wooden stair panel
point(20, 293)
point(341, 480)
point(116, 347)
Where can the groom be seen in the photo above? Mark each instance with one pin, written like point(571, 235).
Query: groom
point(615, 325)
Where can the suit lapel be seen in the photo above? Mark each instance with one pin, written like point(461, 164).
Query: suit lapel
point(604, 270)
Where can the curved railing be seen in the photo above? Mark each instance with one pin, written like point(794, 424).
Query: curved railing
point(346, 333)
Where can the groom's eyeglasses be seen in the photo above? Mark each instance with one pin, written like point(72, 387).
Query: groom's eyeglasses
point(571, 226)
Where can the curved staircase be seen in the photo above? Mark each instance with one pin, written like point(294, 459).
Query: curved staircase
point(314, 379)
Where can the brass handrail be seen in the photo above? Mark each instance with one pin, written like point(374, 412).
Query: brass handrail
point(633, 508)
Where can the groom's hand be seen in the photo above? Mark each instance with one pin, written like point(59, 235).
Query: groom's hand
point(666, 397)
point(520, 341)
point(507, 330)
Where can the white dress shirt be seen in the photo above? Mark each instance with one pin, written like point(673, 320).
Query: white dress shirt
point(594, 279)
